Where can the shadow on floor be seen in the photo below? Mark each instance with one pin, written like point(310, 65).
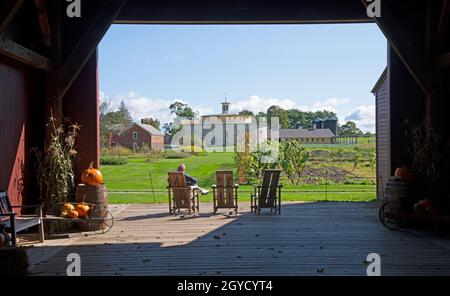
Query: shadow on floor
point(331, 238)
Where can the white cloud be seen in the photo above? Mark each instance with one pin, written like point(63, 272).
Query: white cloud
point(330, 104)
point(141, 106)
point(364, 117)
point(257, 104)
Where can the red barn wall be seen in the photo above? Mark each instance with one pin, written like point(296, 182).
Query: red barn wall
point(80, 105)
point(21, 99)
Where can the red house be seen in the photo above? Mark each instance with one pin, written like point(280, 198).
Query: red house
point(138, 135)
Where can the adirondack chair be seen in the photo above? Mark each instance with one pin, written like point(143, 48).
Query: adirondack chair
point(181, 196)
point(268, 194)
point(225, 192)
point(14, 223)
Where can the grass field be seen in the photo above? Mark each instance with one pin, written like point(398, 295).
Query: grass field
point(131, 183)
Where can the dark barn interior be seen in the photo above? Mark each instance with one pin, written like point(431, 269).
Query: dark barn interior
point(48, 61)
point(49, 66)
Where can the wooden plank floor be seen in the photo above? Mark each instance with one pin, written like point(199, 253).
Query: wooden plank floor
point(307, 237)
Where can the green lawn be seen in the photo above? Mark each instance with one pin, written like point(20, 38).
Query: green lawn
point(130, 183)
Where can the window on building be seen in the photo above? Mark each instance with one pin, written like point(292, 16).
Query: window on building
point(135, 146)
point(323, 139)
point(135, 135)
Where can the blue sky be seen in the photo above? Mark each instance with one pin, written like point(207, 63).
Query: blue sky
point(310, 67)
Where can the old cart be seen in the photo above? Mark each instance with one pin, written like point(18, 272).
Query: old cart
point(98, 219)
point(398, 209)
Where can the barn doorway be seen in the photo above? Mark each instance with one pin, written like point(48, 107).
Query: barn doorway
point(336, 127)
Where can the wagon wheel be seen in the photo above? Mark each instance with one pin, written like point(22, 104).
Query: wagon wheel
point(103, 219)
point(388, 217)
point(107, 222)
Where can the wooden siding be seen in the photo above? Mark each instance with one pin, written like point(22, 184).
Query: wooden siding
point(80, 105)
point(305, 238)
point(20, 124)
point(382, 101)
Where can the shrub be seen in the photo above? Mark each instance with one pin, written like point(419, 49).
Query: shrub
point(113, 160)
point(116, 151)
point(144, 148)
point(193, 150)
point(176, 155)
point(155, 155)
point(190, 149)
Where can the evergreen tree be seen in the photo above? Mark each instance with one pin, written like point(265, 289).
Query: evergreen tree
point(124, 115)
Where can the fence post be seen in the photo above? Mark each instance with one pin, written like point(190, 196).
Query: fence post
point(151, 184)
point(326, 185)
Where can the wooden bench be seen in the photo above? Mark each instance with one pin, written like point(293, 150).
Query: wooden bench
point(14, 223)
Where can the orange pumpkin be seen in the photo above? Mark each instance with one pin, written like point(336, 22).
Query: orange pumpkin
point(419, 209)
point(425, 203)
point(82, 209)
point(92, 176)
point(67, 207)
point(72, 214)
point(428, 206)
point(403, 173)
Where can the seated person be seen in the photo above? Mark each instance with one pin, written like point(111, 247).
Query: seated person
point(189, 180)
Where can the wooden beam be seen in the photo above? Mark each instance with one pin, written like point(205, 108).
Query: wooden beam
point(87, 44)
point(404, 48)
point(443, 22)
point(43, 21)
point(8, 9)
point(242, 12)
point(443, 61)
point(23, 54)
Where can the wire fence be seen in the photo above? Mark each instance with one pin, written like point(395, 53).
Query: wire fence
point(359, 188)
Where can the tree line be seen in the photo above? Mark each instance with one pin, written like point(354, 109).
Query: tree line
point(114, 119)
point(295, 118)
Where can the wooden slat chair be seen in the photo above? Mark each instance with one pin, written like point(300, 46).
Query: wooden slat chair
point(268, 194)
point(181, 196)
point(225, 192)
point(14, 223)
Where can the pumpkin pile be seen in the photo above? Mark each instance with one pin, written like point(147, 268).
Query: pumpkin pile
point(425, 207)
point(92, 176)
point(80, 210)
